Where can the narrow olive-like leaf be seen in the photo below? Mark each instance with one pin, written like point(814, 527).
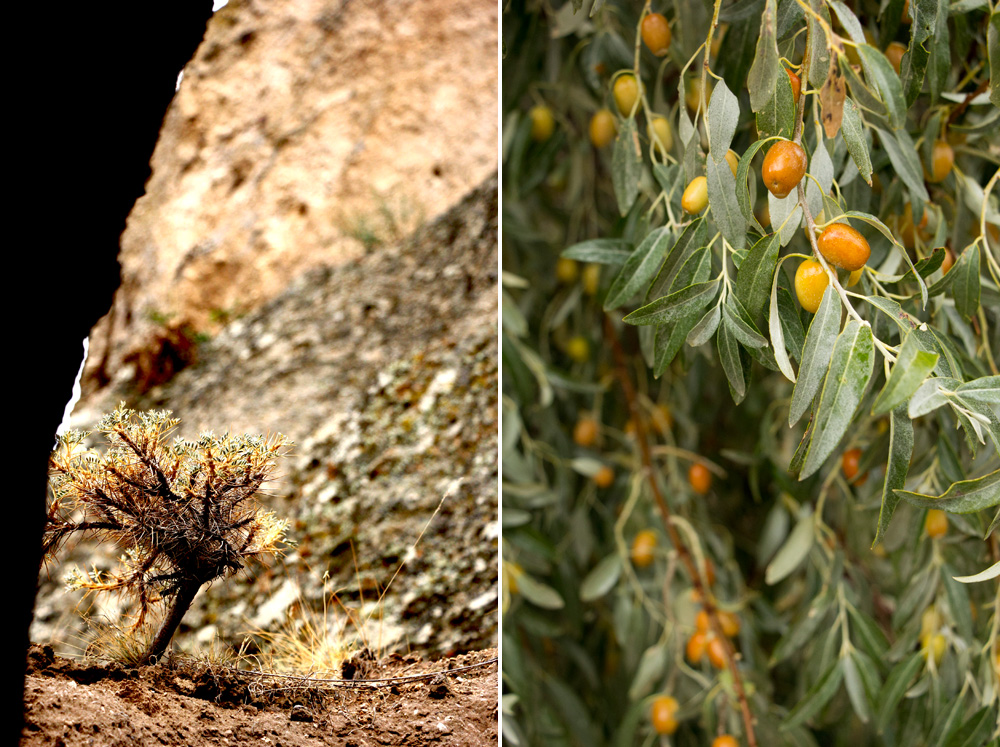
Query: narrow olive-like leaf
point(819, 53)
point(755, 276)
point(851, 368)
point(674, 306)
point(929, 397)
point(900, 452)
point(599, 251)
point(723, 116)
point(795, 549)
point(852, 129)
point(786, 213)
point(816, 354)
point(963, 497)
point(791, 323)
point(670, 338)
point(903, 156)
point(651, 667)
point(894, 311)
point(976, 730)
point(992, 572)
point(958, 601)
point(732, 362)
point(965, 281)
point(703, 331)
point(741, 329)
point(821, 171)
point(948, 723)
point(742, 185)
point(896, 685)
point(602, 578)
point(856, 689)
point(985, 389)
point(866, 632)
point(993, 50)
point(993, 525)
point(817, 697)
point(766, 67)
point(879, 72)
point(539, 594)
point(804, 629)
point(693, 237)
point(639, 268)
point(777, 332)
point(626, 166)
point(667, 175)
point(912, 366)
point(722, 199)
point(777, 116)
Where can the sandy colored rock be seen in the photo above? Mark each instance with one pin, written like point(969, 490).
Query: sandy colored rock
point(304, 133)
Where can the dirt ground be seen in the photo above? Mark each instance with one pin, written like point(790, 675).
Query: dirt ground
point(186, 702)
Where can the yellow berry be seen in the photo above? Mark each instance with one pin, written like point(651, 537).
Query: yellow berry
point(936, 523)
point(626, 93)
point(578, 348)
point(695, 197)
point(934, 645)
point(543, 123)
point(661, 134)
point(602, 128)
point(725, 740)
point(643, 547)
point(733, 160)
point(591, 278)
point(567, 270)
point(942, 161)
point(811, 281)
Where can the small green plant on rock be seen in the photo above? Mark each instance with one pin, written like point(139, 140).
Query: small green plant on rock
point(184, 512)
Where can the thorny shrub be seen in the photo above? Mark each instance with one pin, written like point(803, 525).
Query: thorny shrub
point(183, 512)
point(857, 615)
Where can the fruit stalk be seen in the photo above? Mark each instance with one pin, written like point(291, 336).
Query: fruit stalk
point(683, 552)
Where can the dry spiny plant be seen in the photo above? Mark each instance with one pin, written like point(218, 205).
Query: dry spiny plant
point(184, 512)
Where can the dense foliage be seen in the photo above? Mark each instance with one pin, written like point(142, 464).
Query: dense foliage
point(751, 402)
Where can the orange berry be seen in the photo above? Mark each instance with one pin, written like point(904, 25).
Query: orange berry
point(696, 645)
point(585, 432)
point(701, 621)
point(849, 463)
point(626, 93)
point(717, 653)
point(729, 623)
point(700, 478)
point(643, 547)
point(543, 124)
point(810, 284)
point(906, 225)
point(784, 166)
point(936, 523)
point(725, 740)
point(604, 477)
point(844, 246)
point(895, 52)
point(906, 18)
point(662, 713)
point(796, 85)
point(656, 33)
point(661, 134)
point(948, 261)
point(942, 161)
point(695, 197)
point(602, 128)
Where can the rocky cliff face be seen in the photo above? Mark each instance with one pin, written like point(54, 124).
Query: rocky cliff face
point(303, 133)
point(383, 370)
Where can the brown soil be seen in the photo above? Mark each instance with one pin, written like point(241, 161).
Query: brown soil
point(189, 702)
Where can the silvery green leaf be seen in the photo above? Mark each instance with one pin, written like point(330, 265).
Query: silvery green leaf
point(963, 497)
point(602, 578)
point(723, 116)
point(900, 452)
point(816, 354)
point(794, 551)
point(850, 370)
point(912, 366)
